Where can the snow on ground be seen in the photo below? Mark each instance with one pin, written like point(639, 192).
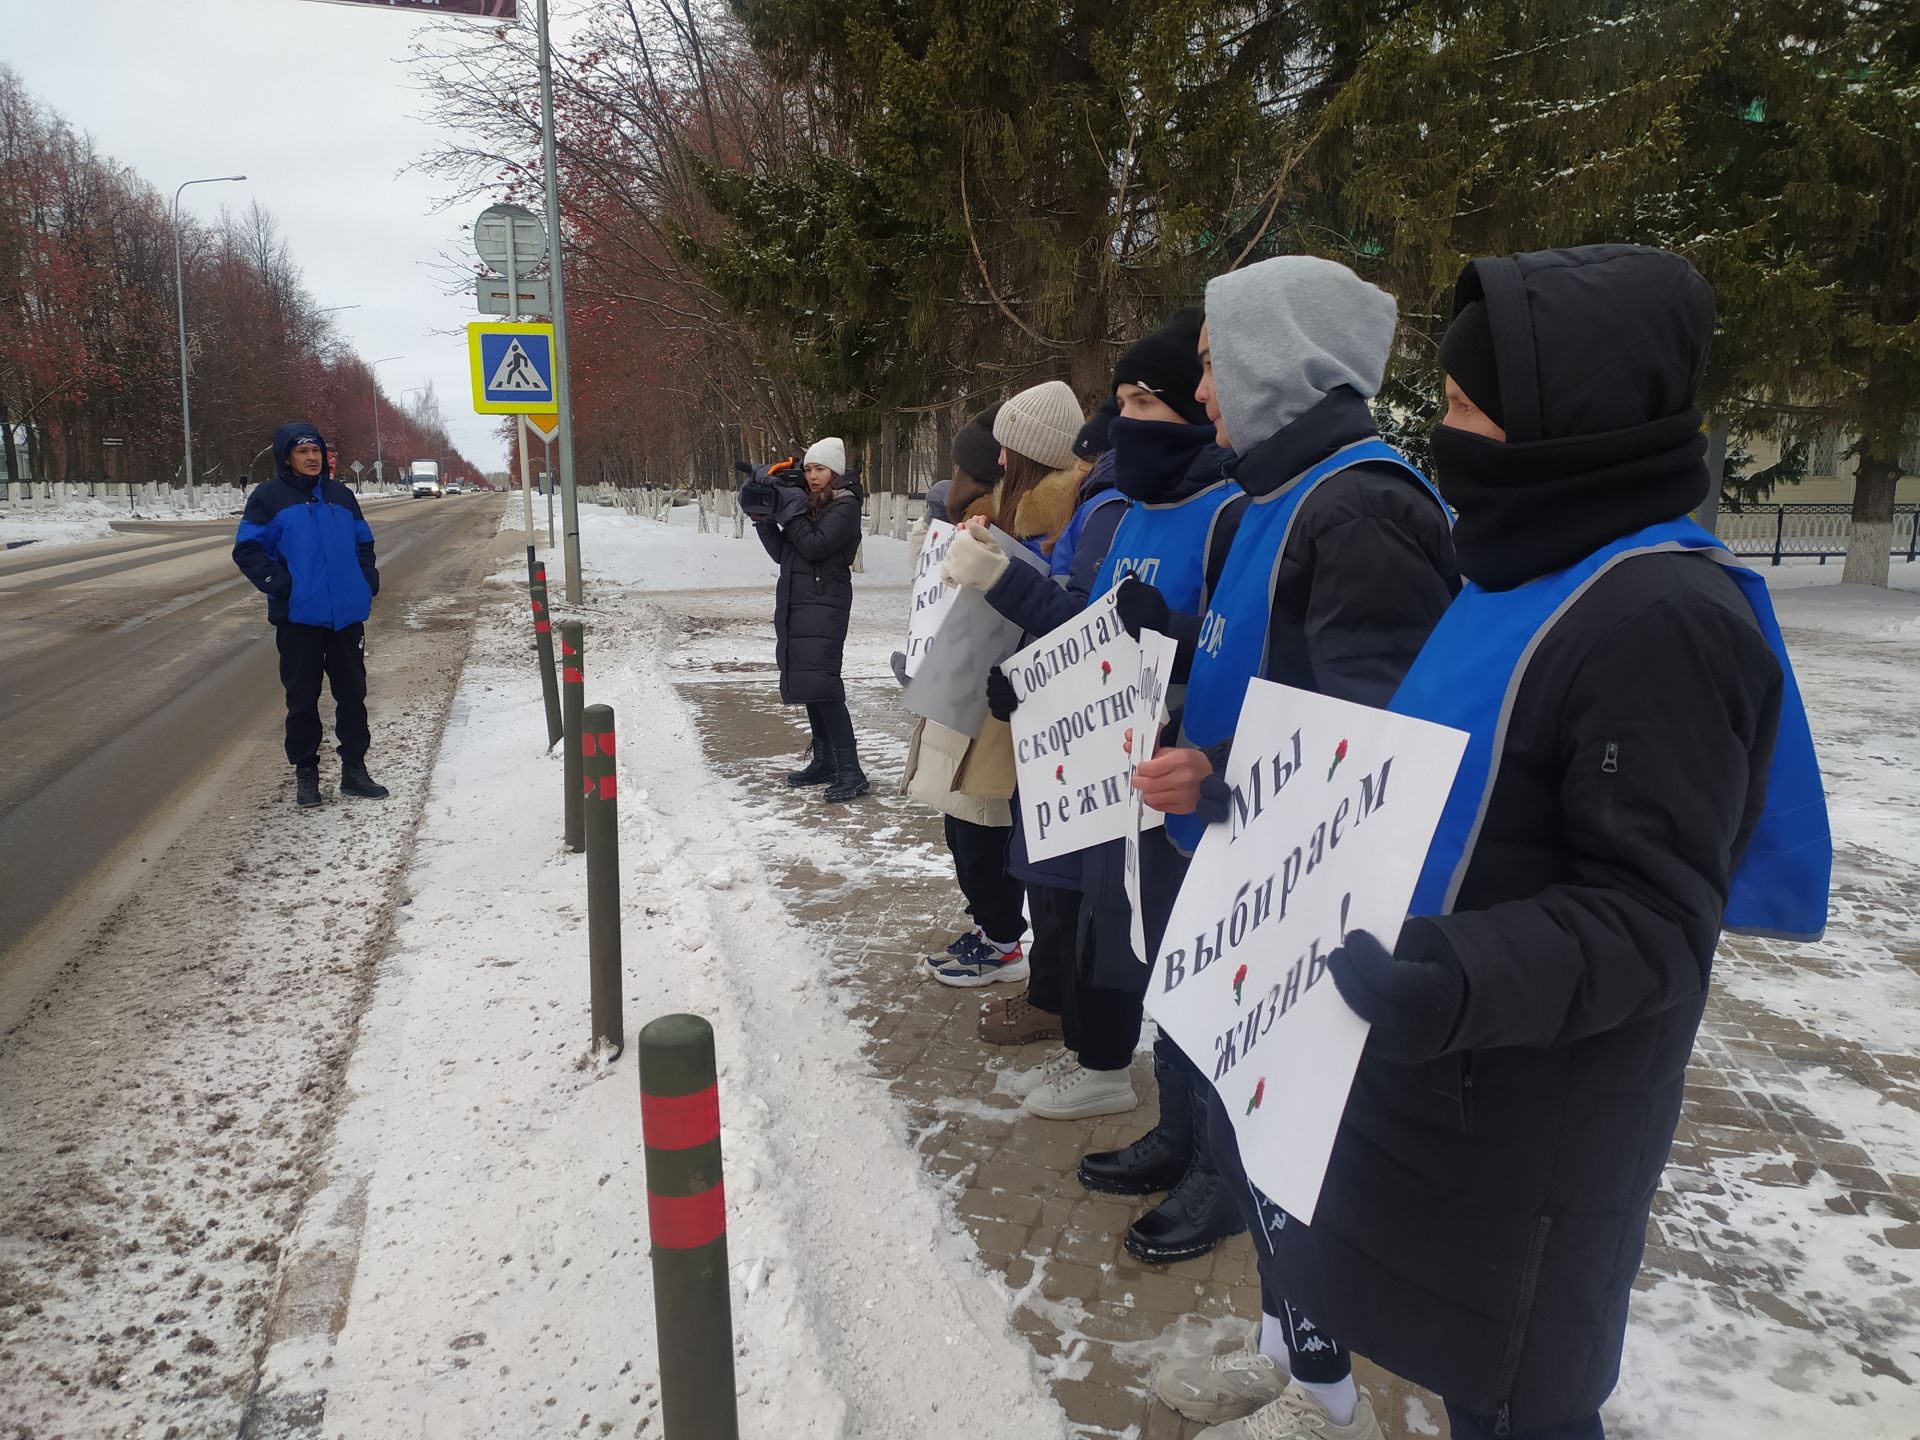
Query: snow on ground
point(502, 1284)
point(72, 522)
point(51, 530)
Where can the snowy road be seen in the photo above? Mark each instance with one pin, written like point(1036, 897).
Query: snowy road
point(171, 1058)
point(131, 665)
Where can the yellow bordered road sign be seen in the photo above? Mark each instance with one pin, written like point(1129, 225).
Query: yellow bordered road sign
point(512, 367)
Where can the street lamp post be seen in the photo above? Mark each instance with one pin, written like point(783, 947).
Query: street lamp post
point(180, 304)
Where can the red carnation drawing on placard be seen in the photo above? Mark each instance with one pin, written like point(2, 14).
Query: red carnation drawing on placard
point(1060, 773)
point(1106, 671)
point(1338, 755)
point(1239, 979)
point(1259, 1094)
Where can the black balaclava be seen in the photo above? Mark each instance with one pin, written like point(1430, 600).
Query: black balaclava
point(1598, 352)
point(1167, 363)
point(1466, 353)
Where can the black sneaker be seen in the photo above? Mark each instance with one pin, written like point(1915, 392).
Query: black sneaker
point(306, 786)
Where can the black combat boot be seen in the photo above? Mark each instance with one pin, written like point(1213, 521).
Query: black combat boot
point(819, 770)
point(306, 786)
point(1198, 1215)
point(849, 780)
point(354, 780)
point(1158, 1159)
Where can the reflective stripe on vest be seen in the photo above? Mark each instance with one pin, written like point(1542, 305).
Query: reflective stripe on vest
point(1166, 545)
point(1233, 634)
point(1469, 674)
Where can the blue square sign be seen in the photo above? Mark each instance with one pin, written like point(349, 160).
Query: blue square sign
point(512, 368)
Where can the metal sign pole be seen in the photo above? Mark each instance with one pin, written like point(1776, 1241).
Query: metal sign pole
point(520, 424)
point(562, 389)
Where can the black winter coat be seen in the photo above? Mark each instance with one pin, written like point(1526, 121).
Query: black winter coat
point(814, 599)
point(1368, 569)
point(1483, 1213)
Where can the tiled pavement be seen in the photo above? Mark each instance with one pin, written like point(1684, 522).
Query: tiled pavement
point(873, 879)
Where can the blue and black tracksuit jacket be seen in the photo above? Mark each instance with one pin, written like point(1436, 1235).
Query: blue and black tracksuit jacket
point(304, 543)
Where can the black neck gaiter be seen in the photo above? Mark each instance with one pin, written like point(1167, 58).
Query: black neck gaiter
point(1532, 509)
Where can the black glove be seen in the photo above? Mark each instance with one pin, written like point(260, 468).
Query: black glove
point(1001, 701)
point(757, 499)
point(1140, 607)
point(1413, 1001)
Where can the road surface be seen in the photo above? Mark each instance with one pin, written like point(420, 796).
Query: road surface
point(130, 666)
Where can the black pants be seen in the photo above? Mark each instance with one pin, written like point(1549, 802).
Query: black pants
point(307, 653)
point(1313, 1355)
point(994, 898)
point(1100, 1024)
point(833, 723)
point(1056, 915)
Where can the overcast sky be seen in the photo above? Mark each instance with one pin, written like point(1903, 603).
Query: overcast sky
point(313, 104)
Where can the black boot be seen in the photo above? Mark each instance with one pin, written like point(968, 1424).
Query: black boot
point(820, 770)
point(306, 786)
point(1198, 1215)
point(354, 780)
point(1158, 1159)
point(849, 780)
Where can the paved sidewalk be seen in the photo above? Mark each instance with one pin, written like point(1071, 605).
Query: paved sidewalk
point(1098, 1320)
point(1780, 1238)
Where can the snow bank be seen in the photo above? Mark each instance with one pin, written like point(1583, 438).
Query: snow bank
point(502, 1284)
point(646, 556)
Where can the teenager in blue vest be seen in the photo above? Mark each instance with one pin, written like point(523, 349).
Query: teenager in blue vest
point(1341, 565)
point(1487, 1198)
point(303, 543)
point(1175, 525)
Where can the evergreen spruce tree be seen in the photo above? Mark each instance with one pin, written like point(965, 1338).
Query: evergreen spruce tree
point(1809, 169)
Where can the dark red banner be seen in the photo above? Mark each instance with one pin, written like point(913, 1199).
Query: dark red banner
point(489, 9)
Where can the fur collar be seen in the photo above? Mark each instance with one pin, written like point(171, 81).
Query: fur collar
point(1045, 509)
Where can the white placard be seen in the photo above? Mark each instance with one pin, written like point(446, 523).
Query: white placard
point(1079, 687)
point(971, 637)
point(1334, 805)
point(1157, 653)
point(932, 596)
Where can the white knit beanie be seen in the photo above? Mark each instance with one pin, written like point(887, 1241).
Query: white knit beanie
point(830, 452)
point(1041, 423)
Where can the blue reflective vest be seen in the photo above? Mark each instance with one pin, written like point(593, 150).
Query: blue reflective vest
point(1470, 671)
point(1233, 633)
point(1166, 545)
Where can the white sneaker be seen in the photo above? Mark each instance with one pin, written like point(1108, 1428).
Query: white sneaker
point(1079, 1094)
point(1061, 1062)
point(1213, 1388)
point(1296, 1415)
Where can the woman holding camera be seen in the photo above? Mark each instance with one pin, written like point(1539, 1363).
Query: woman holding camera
point(810, 523)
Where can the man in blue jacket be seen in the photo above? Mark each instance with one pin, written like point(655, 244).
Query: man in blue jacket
point(304, 543)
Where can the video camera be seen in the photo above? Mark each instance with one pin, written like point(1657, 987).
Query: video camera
point(760, 494)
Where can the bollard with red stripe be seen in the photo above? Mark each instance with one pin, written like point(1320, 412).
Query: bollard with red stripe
point(598, 788)
point(543, 646)
point(573, 700)
point(687, 1219)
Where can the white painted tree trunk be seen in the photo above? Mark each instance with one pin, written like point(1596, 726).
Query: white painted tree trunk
point(1869, 546)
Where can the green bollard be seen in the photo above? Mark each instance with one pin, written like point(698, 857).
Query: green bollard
point(687, 1222)
point(598, 788)
point(573, 700)
point(543, 644)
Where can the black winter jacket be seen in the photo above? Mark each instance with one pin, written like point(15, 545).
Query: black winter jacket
point(814, 599)
point(1484, 1212)
point(1368, 570)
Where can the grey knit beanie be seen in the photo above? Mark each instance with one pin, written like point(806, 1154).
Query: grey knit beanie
point(1041, 423)
point(1286, 333)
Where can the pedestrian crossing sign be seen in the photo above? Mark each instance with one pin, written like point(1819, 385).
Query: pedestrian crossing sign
point(512, 367)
